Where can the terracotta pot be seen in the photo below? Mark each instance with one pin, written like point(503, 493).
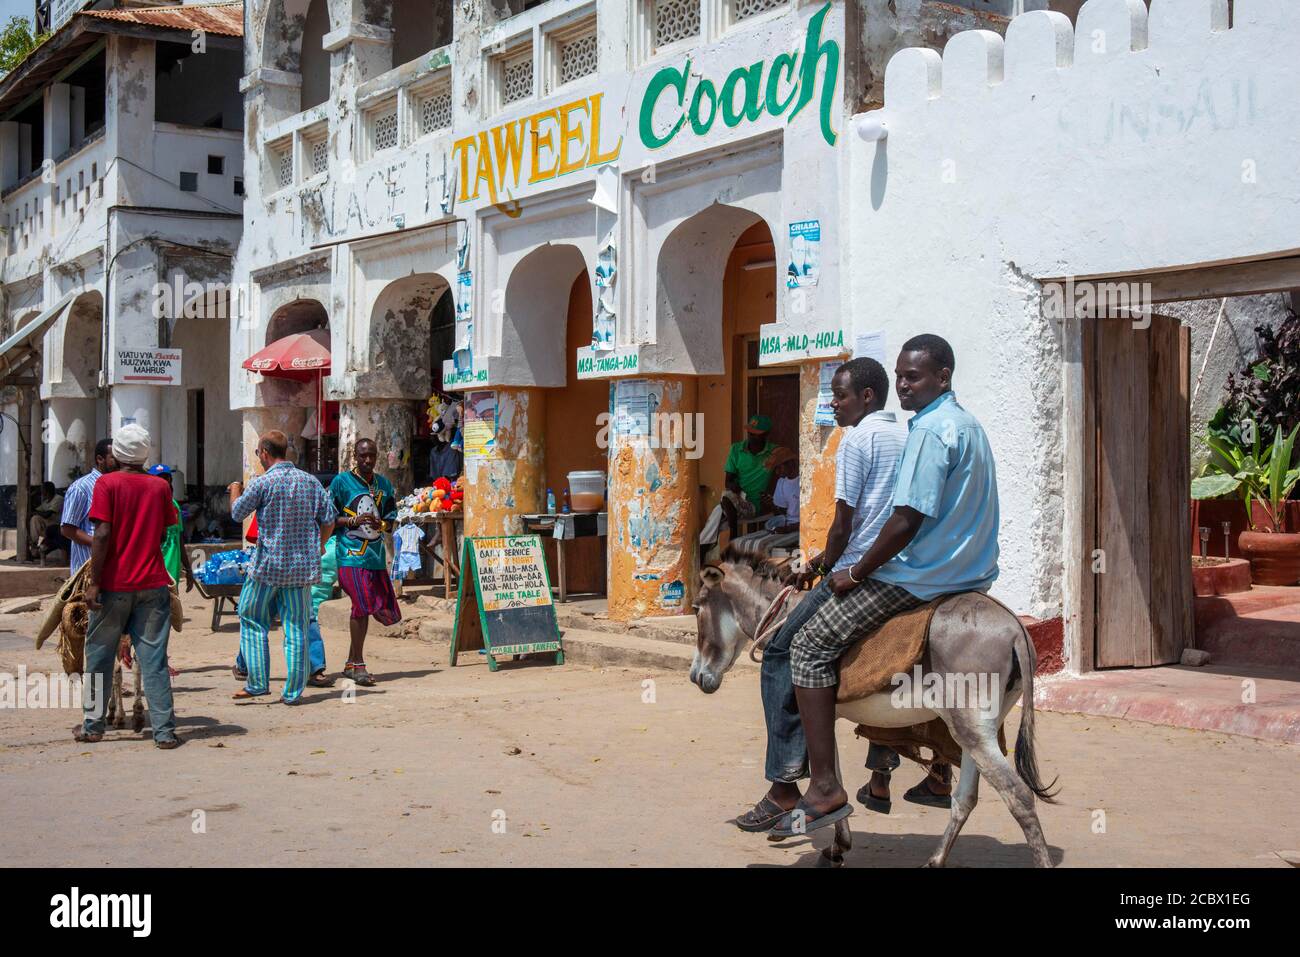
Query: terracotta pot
point(1274, 557)
point(1290, 516)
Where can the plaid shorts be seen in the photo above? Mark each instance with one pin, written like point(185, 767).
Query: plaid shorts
point(840, 623)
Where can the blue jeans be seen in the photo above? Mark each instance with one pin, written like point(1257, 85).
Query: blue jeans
point(787, 749)
point(147, 617)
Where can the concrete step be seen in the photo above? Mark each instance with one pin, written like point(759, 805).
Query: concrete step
point(601, 648)
point(1259, 627)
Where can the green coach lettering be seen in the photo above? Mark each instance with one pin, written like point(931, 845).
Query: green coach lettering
point(667, 77)
point(787, 61)
point(813, 51)
point(752, 78)
point(791, 78)
point(698, 124)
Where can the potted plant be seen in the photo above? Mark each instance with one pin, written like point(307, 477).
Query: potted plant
point(1264, 475)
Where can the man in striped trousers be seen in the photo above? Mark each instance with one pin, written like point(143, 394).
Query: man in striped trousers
point(294, 521)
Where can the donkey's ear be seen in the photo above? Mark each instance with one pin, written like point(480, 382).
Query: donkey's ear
point(711, 575)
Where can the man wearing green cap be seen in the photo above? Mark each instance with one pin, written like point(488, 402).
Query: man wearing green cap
point(748, 473)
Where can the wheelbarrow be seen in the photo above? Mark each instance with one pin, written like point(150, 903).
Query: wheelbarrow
point(219, 595)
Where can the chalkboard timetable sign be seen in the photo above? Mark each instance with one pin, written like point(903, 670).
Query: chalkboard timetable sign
point(503, 602)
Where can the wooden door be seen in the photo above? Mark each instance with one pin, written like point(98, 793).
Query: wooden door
point(1139, 392)
point(777, 396)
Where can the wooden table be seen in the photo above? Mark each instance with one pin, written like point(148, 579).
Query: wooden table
point(563, 527)
point(446, 521)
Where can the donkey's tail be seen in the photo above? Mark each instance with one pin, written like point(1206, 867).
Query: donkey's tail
point(1026, 757)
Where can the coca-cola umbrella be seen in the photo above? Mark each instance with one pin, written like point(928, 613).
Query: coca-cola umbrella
point(302, 356)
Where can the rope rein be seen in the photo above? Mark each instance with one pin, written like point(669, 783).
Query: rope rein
point(770, 622)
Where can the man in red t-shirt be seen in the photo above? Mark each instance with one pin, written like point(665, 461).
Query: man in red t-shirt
point(129, 590)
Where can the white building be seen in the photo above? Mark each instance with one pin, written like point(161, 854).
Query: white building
point(575, 207)
point(121, 171)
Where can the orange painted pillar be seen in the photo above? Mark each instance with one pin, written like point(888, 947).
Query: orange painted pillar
point(817, 447)
point(512, 480)
point(653, 520)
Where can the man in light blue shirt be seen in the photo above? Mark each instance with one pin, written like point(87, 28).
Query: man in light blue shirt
point(940, 538)
point(77, 527)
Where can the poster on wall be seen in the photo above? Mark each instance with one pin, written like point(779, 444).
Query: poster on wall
point(480, 424)
point(155, 366)
point(602, 329)
point(805, 265)
point(464, 315)
point(825, 415)
point(872, 346)
point(635, 404)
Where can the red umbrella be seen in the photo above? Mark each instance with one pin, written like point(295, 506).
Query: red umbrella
point(302, 356)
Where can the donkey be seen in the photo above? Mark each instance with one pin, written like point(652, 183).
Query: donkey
point(970, 635)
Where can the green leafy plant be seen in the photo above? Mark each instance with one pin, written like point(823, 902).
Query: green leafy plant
point(1239, 464)
point(17, 39)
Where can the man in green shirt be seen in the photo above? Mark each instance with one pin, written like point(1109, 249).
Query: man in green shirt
point(171, 543)
point(748, 473)
point(365, 503)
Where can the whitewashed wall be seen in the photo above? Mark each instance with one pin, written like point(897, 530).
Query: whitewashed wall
point(1131, 143)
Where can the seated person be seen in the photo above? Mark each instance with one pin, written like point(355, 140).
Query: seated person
point(781, 530)
point(749, 480)
point(43, 529)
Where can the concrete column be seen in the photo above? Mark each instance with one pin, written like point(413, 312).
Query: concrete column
point(817, 447)
point(70, 438)
point(390, 423)
point(653, 518)
point(58, 110)
point(141, 404)
point(513, 480)
point(10, 153)
point(287, 419)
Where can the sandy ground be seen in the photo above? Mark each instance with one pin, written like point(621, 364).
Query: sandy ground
point(567, 766)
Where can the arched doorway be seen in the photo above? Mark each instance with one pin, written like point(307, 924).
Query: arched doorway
point(78, 407)
point(297, 402)
point(393, 391)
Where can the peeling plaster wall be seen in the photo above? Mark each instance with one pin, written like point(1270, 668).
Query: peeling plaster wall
point(513, 481)
point(817, 447)
point(389, 424)
point(653, 525)
point(1167, 87)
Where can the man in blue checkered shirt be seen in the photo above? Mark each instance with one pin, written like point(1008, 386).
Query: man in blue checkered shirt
point(294, 521)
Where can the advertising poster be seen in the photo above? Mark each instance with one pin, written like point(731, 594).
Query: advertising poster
point(825, 415)
point(805, 264)
point(634, 404)
point(480, 424)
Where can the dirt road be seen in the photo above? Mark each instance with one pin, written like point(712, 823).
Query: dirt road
point(543, 765)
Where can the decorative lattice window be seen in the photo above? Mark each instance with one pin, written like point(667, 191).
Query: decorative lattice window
point(435, 110)
point(744, 9)
point(317, 157)
point(381, 124)
point(281, 165)
point(675, 20)
point(578, 56)
point(517, 77)
point(315, 150)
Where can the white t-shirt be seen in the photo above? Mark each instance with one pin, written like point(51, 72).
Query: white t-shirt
point(866, 466)
point(786, 495)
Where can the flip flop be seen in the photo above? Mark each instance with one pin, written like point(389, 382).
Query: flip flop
point(320, 680)
point(245, 695)
point(84, 737)
point(920, 794)
point(763, 816)
point(812, 820)
point(871, 802)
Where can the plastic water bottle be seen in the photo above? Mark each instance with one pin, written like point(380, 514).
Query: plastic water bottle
point(566, 502)
point(550, 502)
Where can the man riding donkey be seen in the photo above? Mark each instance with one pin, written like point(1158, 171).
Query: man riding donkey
point(866, 465)
point(941, 538)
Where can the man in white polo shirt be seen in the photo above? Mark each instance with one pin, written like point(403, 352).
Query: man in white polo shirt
point(865, 466)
